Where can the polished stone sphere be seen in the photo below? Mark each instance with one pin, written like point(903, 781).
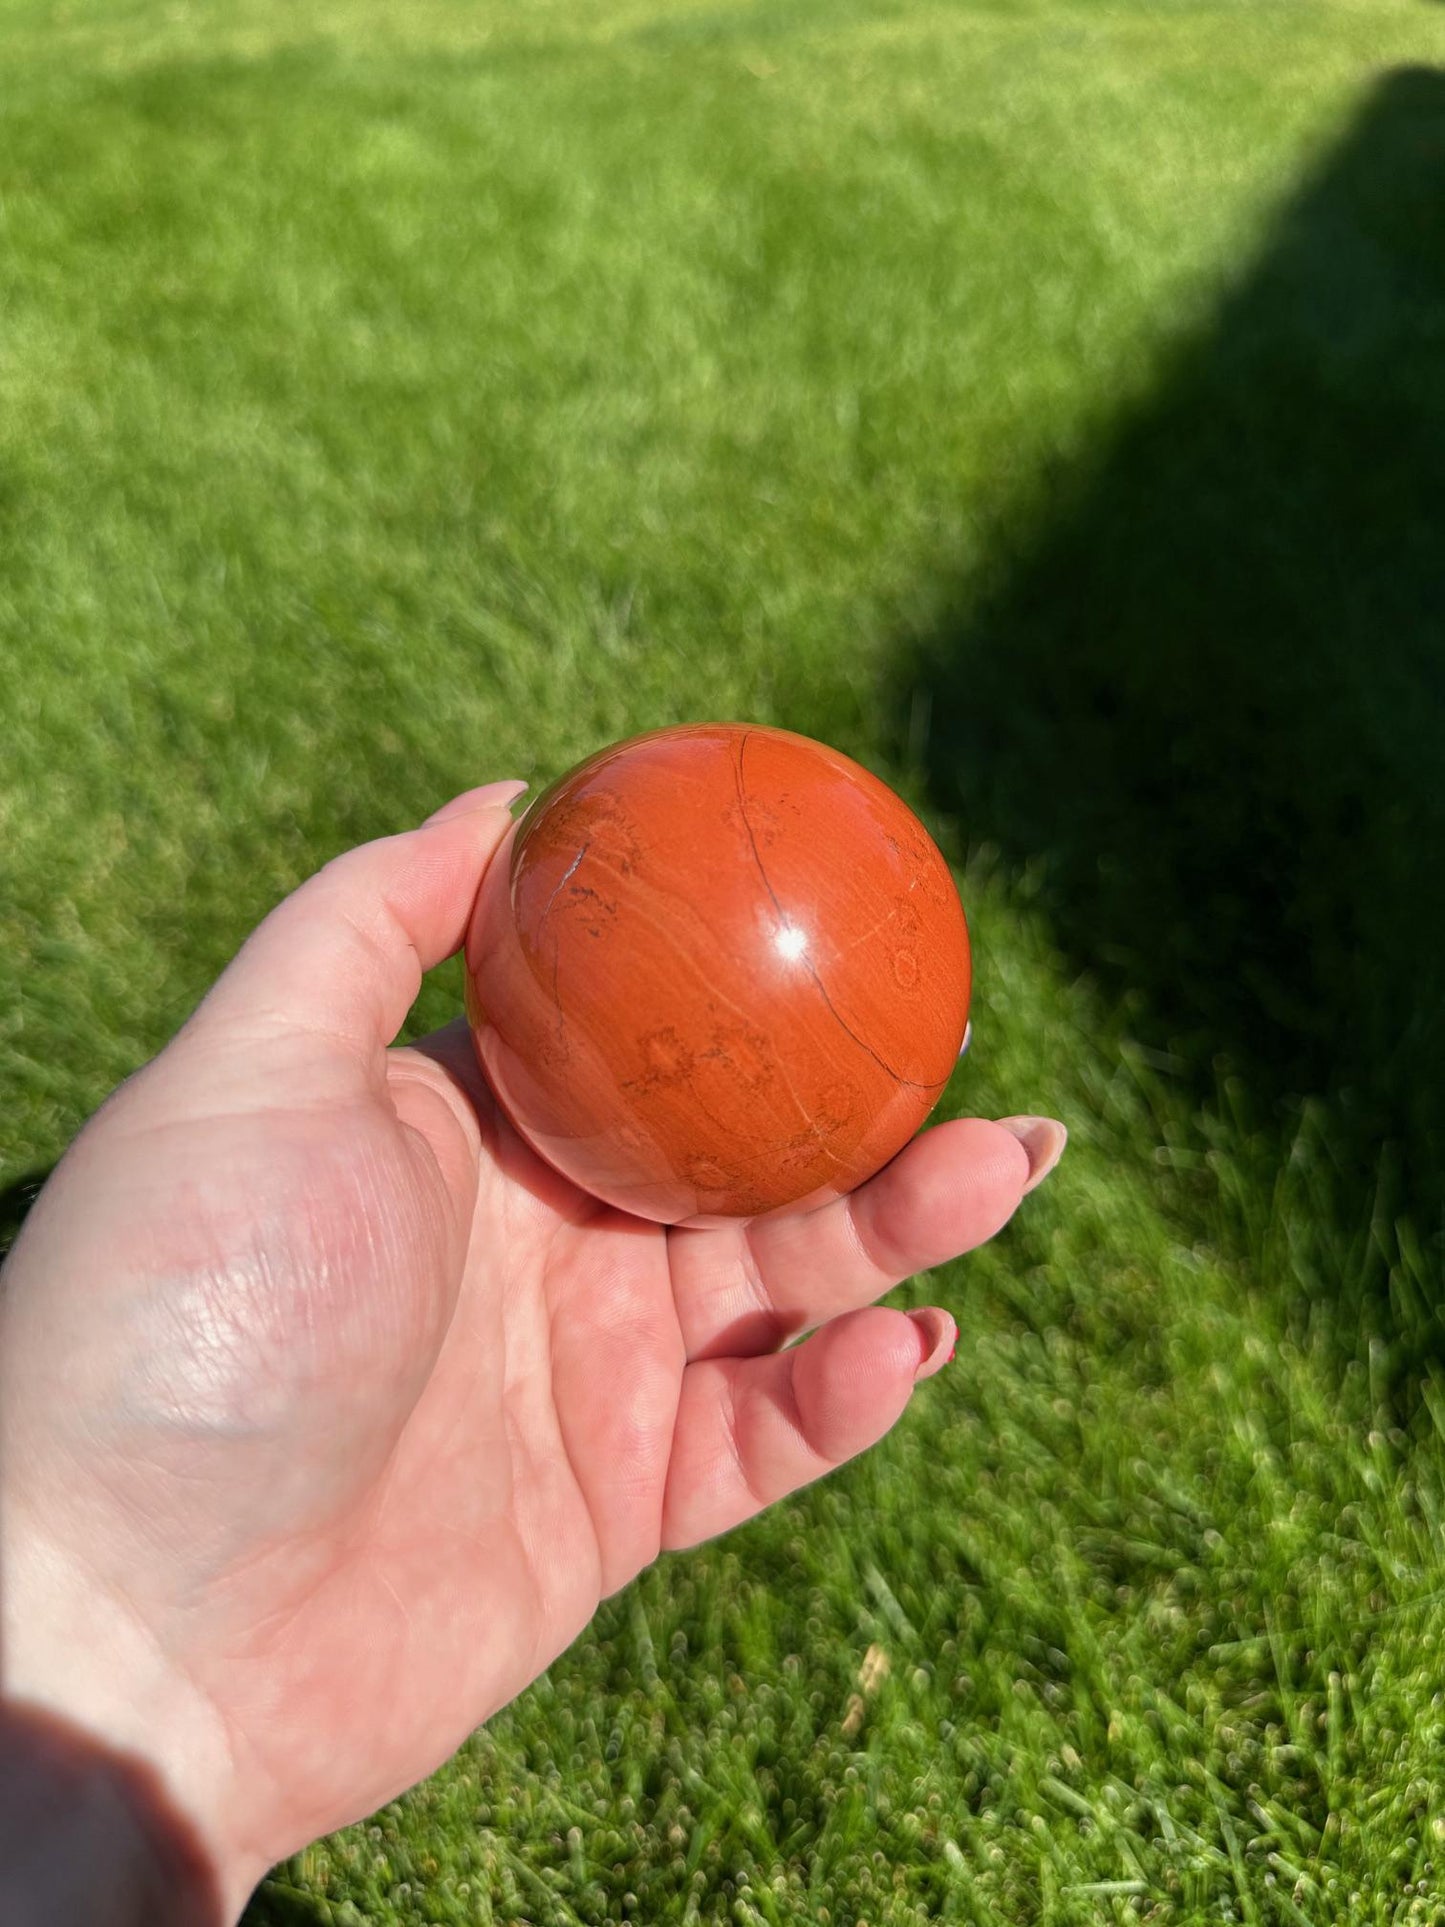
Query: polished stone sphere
point(715, 971)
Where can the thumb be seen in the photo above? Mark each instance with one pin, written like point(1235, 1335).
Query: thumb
point(342, 957)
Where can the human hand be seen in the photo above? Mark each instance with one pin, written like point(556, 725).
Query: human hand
point(328, 1413)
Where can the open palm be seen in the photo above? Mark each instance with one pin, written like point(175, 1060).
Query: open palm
point(365, 1407)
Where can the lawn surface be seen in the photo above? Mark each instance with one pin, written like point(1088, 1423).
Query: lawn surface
point(1046, 403)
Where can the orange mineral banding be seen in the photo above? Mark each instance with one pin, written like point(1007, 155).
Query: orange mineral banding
point(716, 971)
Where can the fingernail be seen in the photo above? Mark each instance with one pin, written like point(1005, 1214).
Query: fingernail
point(939, 1335)
point(490, 796)
point(1044, 1139)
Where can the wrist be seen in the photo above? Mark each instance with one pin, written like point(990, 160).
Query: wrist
point(87, 1835)
point(113, 1769)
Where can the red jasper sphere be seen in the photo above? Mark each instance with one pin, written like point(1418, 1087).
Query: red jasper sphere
point(717, 970)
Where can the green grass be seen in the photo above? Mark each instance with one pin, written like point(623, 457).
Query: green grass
point(1042, 401)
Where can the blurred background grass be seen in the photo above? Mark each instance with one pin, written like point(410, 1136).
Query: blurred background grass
point(1043, 402)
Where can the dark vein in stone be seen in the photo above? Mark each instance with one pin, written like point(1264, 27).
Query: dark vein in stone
point(562, 882)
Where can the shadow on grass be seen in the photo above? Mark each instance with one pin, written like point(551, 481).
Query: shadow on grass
point(277, 1905)
point(15, 1202)
point(1208, 699)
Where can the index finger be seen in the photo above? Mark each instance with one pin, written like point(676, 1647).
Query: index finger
point(748, 1288)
